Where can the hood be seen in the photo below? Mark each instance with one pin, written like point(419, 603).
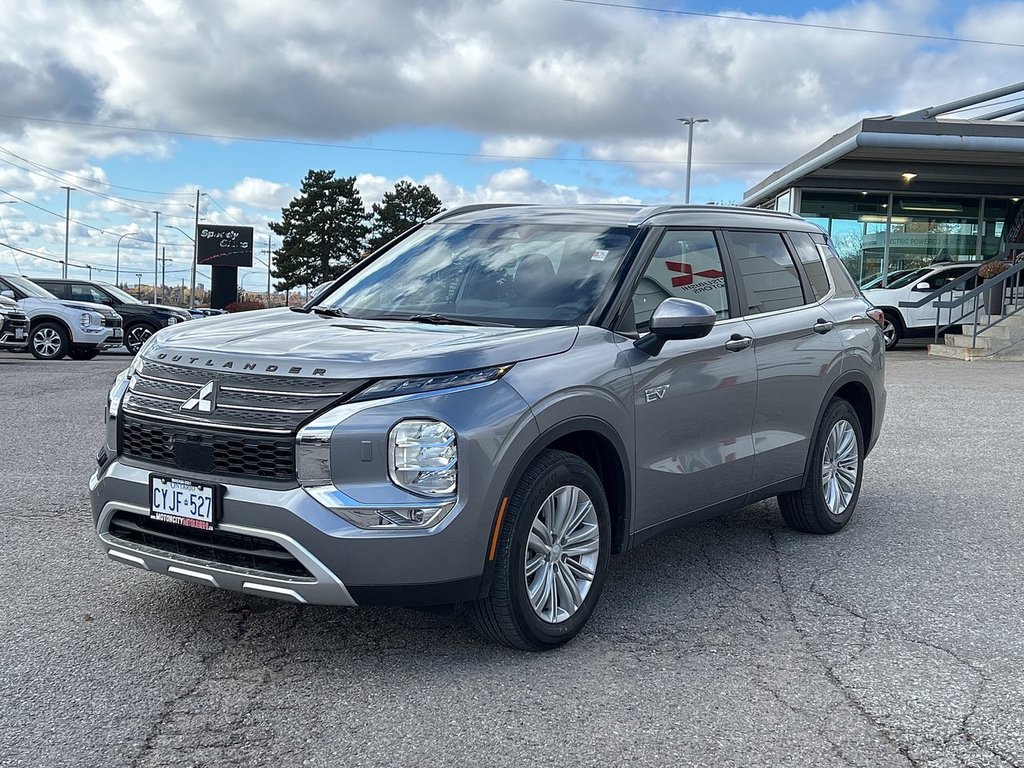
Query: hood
point(88, 306)
point(167, 308)
point(291, 343)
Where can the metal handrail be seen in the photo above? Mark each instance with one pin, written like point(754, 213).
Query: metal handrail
point(997, 283)
point(974, 294)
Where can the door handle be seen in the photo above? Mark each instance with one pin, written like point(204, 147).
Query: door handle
point(822, 326)
point(737, 343)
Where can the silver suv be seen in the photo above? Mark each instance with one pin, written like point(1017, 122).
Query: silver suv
point(488, 409)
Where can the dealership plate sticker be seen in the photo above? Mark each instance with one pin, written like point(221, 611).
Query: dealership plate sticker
point(19, 333)
point(182, 502)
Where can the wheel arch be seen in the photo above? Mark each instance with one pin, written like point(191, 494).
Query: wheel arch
point(34, 322)
point(597, 443)
point(855, 388)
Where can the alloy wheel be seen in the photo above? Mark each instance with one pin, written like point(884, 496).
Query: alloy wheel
point(46, 341)
point(840, 465)
point(561, 554)
point(136, 338)
point(889, 332)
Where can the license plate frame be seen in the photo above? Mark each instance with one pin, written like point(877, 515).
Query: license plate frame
point(202, 516)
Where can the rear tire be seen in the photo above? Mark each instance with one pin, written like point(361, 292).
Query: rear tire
point(552, 556)
point(892, 330)
point(826, 502)
point(49, 341)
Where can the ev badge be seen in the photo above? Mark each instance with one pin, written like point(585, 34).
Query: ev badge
point(204, 401)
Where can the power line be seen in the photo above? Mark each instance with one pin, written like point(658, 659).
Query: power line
point(212, 200)
point(362, 148)
point(82, 223)
point(87, 180)
point(804, 24)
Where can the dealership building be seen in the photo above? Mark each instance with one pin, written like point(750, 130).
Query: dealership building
point(903, 191)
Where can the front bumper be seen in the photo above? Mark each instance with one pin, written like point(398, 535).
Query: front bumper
point(13, 332)
point(347, 565)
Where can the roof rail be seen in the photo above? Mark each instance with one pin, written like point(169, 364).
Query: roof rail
point(470, 208)
point(646, 214)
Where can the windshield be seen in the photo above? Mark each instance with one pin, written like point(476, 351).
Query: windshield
point(29, 288)
point(910, 278)
point(530, 275)
point(127, 298)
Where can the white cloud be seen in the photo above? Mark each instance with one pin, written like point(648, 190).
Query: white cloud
point(519, 146)
point(261, 193)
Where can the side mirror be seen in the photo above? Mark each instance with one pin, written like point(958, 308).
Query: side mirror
point(676, 319)
point(7, 293)
point(922, 287)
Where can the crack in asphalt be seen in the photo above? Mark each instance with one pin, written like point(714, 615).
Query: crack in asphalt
point(228, 734)
point(830, 673)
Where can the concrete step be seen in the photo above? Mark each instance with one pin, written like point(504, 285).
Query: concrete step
point(966, 341)
point(956, 353)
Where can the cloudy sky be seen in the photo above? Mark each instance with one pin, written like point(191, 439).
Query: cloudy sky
point(138, 104)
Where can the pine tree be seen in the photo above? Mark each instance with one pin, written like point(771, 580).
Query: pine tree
point(323, 229)
point(401, 209)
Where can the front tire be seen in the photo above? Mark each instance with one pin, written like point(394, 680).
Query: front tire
point(135, 336)
point(551, 558)
point(49, 341)
point(826, 502)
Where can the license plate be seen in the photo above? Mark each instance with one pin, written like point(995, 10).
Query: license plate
point(116, 333)
point(182, 502)
point(19, 333)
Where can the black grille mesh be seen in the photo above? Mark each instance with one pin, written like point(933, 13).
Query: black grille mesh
point(205, 451)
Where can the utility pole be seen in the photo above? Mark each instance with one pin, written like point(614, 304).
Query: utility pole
point(67, 229)
point(270, 256)
point(156, 254)
point(195, 258)
point(163, 274)
point(89, 267)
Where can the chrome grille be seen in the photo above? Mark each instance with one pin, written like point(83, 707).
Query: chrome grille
point(244, 402)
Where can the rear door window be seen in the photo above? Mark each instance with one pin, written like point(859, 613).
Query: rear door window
point(810, 259)
point(770, 279)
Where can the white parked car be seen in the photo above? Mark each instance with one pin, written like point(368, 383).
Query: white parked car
point(75, 329)
point(916, 322)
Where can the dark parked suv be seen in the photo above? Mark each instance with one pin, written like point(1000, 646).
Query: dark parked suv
point(489, 408)
point(140, 320)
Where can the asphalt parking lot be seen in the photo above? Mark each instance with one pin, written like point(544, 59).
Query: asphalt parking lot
point(734, 642)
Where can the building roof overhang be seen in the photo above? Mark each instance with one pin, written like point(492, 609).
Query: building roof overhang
point(983, 156)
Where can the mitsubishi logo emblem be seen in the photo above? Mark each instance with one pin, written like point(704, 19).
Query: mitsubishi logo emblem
point(204, 401)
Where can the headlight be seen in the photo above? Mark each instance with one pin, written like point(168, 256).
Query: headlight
point(423, 457)
point(85, 320)
point(414, 386)
point(172, 320)
point(114, 398)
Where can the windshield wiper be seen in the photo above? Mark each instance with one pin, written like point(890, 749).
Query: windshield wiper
point(330, 312)
point(435, 318)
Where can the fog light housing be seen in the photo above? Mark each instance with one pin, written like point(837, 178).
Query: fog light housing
point(423, 457)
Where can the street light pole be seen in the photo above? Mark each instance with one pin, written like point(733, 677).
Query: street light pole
point(156, 254)
point(117, 263)
point(67, 229)
point(195, 258)
point(139, 291)
point(689, 122)
point(89, 267)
